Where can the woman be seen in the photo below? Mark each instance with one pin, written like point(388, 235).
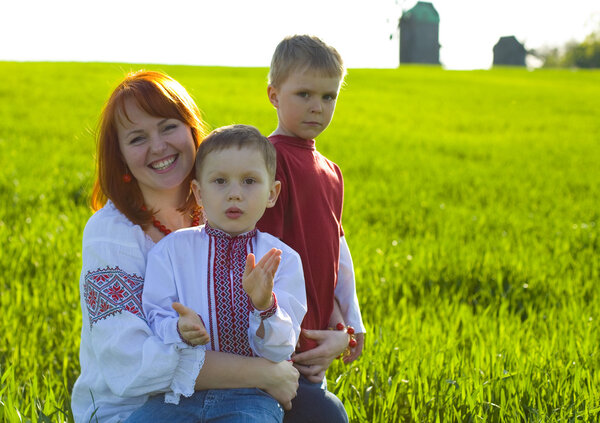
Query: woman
point(150, 129)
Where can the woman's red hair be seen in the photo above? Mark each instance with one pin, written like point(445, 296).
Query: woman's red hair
point(158, 95)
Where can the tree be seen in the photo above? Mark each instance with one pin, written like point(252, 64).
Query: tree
point(581, 55)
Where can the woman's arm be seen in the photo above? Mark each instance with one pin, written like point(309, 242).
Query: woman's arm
point(223, 370)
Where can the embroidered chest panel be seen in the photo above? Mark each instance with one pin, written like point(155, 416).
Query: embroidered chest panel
point(230, 305)
point(111, 290)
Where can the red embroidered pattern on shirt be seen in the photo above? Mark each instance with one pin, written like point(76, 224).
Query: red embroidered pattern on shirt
point(232, 304)
point(111, 290)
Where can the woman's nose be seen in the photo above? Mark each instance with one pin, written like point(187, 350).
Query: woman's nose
point(158, 144)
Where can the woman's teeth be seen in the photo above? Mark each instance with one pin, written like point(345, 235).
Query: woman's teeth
point(163, 164)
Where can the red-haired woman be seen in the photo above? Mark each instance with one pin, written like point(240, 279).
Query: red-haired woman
point(150, 129)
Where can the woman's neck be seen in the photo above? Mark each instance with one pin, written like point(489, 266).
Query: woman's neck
point(165, 205)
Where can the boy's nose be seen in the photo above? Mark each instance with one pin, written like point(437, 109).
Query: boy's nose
point(234, 193)
point(316, 106)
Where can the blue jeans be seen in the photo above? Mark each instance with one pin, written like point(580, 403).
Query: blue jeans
point(314, 404)
point(213, 405)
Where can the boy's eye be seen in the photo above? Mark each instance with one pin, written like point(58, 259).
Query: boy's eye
point(303, 94)
point(249, 181)
point(329, 97)
point(219, 181)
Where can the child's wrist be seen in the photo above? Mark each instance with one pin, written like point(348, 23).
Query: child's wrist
point(268, 311)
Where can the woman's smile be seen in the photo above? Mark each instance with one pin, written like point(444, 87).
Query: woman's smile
point(165, 164)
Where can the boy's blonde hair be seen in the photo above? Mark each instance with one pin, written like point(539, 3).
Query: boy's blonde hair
point(301, 52)
point(237, 136)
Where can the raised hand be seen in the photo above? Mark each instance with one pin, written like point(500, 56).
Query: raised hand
point(258, 279)
point(190, 325)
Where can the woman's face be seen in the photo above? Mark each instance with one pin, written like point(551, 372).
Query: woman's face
point(159, 152)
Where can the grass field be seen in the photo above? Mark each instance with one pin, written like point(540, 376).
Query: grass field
point(471, 209)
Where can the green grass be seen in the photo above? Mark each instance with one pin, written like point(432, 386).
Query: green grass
point(471, 211)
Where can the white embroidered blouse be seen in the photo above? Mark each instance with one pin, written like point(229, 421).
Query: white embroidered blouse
point(202, 267)
point(122, 361)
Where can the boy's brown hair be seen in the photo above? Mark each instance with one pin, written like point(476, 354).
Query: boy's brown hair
point(238, 136)
point(301, 52)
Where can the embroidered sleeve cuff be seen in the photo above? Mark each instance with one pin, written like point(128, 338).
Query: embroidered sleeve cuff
point(191, 361)
point(265, 314)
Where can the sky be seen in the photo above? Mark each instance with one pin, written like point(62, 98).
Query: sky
point(245, 32)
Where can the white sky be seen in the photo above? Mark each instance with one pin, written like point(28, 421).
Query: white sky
point(245, 32)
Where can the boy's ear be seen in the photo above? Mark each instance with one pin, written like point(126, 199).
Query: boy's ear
point(272, 93)
point(195, 187)
point(273, 194)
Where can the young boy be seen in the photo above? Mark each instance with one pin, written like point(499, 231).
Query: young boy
point(304, 82)
point(247, 309)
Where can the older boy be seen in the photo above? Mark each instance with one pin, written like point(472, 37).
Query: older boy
point(304, 82)
point(248, 309)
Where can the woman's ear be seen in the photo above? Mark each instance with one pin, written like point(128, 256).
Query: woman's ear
point(273, 96)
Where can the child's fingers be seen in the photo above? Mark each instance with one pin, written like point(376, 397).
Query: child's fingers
point(182, 310)
point(267, 257)
point(250, 260)
point(195, 335)
point(273, 265)
point(269, 260)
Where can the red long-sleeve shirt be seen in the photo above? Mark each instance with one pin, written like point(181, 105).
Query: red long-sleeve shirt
point(308, 218)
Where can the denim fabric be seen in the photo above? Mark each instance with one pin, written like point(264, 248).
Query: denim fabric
point(213, 405)
point(315, 404)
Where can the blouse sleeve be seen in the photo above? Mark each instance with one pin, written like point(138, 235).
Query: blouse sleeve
point(282, 321)
point(130, 359)
point(159, 293)
point(345, 290)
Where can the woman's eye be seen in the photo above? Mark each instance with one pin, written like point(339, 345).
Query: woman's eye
point(136, 140)
point(170, 127)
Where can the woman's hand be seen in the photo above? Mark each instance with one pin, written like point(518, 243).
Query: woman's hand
point(356, 351)
point(313, 364)
point(281, 382)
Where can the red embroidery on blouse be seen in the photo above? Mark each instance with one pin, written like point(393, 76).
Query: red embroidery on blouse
point(110, 291)
point(232, 304)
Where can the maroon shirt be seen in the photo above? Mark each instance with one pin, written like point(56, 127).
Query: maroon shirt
point(308, 218)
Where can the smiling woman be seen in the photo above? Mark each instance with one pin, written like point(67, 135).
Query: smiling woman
point(147, 143)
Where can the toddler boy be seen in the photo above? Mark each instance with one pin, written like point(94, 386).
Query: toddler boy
point(246, 308)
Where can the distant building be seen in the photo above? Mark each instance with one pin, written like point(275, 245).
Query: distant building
point(508, 51)
point(419, 34)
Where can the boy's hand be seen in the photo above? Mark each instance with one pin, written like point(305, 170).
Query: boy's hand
point(258, 279)
point(190, 325)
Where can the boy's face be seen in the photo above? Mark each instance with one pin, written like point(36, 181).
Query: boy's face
point(305, 103)
point(234, 188)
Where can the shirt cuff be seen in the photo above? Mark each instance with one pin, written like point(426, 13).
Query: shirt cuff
point(191, 361)
point(265, 314)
